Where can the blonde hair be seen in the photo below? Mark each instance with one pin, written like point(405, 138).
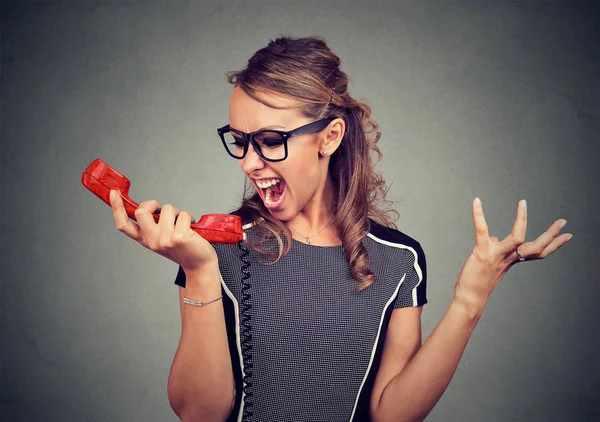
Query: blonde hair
point(306, 70)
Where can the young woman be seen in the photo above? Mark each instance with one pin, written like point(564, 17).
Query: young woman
point(337, 290)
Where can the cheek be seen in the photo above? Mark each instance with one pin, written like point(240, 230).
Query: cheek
point(302, 181)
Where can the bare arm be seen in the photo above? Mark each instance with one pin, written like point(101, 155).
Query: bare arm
point(411, 394)
point(201, 383)
point(425, 378)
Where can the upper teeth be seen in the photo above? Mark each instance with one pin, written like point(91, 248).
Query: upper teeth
point(267, 183)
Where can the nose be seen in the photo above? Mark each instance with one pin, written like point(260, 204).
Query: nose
point(252, 161)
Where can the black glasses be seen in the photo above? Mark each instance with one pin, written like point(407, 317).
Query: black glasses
point(269, 144)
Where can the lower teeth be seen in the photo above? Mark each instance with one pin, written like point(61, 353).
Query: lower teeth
point(268, 198)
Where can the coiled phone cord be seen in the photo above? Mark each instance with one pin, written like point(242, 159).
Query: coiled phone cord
point(245, 328)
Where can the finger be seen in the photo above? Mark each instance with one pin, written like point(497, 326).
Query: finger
point(546, 243)
point(554, 245)
point(122, 219)
point(166, 224)
point(517, 236)
point(182, 223)
point(143, 215)
point(481, 228)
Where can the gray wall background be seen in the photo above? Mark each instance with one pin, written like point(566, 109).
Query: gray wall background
point(492, 99)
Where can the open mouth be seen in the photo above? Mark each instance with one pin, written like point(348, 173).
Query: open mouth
point(273, 193)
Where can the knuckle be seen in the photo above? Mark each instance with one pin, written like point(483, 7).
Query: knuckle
point(166, 243)
point(188, 215)
point(177, 238)
point(519, 239)
point(170, 207)
point(121, 227)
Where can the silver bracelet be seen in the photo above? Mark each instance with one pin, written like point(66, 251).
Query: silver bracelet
point(198, 303)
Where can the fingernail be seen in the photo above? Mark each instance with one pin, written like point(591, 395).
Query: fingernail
point(570, 236)
point(562, 223)
point(524, 205)
point(112, 195)
point(478, 202)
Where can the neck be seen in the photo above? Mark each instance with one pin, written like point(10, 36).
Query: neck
point(317, 214)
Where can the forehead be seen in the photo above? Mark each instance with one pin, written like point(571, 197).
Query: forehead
point(247, 114)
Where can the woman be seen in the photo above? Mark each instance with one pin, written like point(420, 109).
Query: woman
point(336, 295)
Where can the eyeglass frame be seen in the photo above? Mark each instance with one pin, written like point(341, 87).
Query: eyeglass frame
point(248, 138)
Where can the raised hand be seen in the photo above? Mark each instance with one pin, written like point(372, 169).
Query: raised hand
point(491, 259)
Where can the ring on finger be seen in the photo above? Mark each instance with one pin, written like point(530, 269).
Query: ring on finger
point(521, 258)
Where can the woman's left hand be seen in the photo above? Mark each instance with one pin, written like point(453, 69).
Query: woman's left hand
point(491, 259)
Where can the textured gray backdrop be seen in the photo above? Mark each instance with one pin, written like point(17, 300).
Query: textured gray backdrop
point(499, 100)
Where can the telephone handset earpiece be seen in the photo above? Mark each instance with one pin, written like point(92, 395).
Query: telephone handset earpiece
point(100, 179)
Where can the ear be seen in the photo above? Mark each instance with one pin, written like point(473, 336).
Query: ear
point(332, 136)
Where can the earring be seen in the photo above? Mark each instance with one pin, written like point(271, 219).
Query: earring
point(324, 152)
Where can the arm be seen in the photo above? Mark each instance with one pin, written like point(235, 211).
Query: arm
point(201, 384)
point(425, 377)
point(418, 387)
point(411, 394)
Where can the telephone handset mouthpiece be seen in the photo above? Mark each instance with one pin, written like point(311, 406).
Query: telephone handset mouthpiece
point(100, 179)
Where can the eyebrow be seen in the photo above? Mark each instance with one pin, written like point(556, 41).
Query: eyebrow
point(262, 128)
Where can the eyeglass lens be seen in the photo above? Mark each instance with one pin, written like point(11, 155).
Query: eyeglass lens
point(271, 144)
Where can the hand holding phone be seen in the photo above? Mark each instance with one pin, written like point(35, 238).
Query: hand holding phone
point(162, 229)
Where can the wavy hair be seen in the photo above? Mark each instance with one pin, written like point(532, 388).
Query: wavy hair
point(306, 70)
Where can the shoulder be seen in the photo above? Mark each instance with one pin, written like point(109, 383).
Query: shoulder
point(392, 247)
point(391, 237)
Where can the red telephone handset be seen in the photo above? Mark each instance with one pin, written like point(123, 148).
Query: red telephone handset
point(100, 179)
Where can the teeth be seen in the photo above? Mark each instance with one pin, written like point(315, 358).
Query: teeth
point(268, 197)
point(265, 184)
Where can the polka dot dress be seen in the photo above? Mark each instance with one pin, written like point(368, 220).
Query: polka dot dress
point(316, 344)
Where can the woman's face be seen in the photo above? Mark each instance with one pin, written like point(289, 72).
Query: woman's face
point(303, 174)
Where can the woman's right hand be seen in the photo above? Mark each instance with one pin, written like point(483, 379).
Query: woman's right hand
point(172, 239)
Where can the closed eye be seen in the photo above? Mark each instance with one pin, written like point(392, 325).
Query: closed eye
point(238, 142)
point(272, 143)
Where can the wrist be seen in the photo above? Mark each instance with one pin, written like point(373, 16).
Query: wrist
point(203, 285)
point(207, 274)
point(471, 303)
